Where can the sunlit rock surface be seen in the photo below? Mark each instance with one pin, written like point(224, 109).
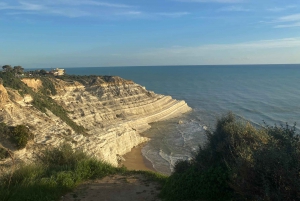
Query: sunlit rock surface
point(112, 110)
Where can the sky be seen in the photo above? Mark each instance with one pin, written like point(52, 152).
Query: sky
point(96, 33)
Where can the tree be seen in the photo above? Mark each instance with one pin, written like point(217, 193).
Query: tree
point(18, 69)
point(7, 68)
point(43, 72)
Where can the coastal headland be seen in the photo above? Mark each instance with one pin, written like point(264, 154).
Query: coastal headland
point(102, 115)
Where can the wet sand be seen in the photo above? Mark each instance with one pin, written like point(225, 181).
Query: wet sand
point(135, 160)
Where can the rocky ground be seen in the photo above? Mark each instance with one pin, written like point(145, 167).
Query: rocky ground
point(116, 188)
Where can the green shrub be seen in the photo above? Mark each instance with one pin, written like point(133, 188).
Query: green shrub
point(3, 153)
point(63, 155)
point(93, 168)
point(182, 166)
point(20, 135)
point(24, 173)
point(240, 162)
point(273, 174)
point(65, 179)
point(4, 129)
point(210, 184)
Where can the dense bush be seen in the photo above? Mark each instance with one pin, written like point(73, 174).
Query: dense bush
point(62, 155)
point(240, 162)
point(274, 171)
point(3, 153)
point(192, 184)
point(20, 135)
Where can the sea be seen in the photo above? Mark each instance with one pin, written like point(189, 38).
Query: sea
point(255, 93)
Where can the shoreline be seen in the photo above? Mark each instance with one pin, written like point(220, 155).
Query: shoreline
point(134, 160)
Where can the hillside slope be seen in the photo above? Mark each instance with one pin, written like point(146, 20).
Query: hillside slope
point(112, 111)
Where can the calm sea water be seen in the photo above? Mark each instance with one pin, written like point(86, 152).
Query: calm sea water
point(257, 93)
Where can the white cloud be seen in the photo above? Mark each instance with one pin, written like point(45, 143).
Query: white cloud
point(288, 21)
point(72, 13)
point(132, 13)
point(284, 50)
point(86, 3)
point(68, 8)
point(262, 44)
point(213, 1)
point(149, 15)
point(175, 14)
point(22, 6)
point(290, 18)
point(280, 9)
point(216, 49)
point(276, 9)
point(234, 9)
point(80, 8)
point(297, 24)
point(31, 6)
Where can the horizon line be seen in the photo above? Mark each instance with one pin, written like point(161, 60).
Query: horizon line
point(169, 65)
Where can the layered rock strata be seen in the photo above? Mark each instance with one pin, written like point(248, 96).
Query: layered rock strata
point(112, 110)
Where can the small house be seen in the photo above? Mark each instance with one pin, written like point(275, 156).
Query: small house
point(58, 72)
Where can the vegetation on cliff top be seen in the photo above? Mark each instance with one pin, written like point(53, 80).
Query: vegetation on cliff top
point(88, 80)
point(240, 162)
point(41, 99)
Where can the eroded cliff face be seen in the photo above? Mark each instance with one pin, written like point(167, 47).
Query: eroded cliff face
point(112, 110)
point(3, 96)
point(35, 84)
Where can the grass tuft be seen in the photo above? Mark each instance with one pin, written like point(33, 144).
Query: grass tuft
point(58, 171)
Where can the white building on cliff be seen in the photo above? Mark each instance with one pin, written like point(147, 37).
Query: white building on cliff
point(58, 71)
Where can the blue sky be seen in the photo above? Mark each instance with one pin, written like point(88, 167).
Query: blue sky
point(77, 33)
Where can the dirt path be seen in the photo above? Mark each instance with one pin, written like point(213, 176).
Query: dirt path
point(116, 188)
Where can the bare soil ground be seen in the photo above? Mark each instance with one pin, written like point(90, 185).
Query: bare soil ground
point(116, 188)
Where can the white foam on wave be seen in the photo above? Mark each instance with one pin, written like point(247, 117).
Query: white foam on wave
point(159, 163)
point(174, 142)
point(189, 130)
point(172, 159)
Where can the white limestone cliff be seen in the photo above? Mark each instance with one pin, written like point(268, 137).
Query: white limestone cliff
point(112, 110)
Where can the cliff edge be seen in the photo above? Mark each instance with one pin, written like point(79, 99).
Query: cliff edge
point(112, 111)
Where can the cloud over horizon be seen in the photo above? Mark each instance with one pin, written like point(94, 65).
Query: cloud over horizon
point(153, 32)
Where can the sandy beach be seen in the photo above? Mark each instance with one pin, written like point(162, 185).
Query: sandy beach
point(135, 160)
